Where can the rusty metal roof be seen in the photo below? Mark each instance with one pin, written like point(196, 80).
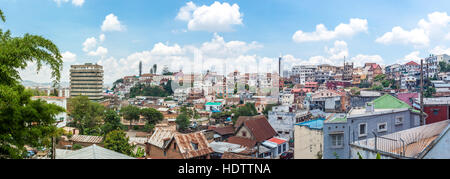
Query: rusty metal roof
point(224, 130)
point(259, 127)
point(186, 144)
point(159, 136)
point(87, 139)
point(242, 141)
point(230, 155)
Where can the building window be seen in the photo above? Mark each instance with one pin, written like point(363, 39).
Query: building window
point(165, 153)
point(435, 112)
point(244, 134)
point(337, 140)
point(399, 120)
point(382, 127)
point(417, 120)
point(279, 149)
point(280, 118)
point(363, 130)
point(194, 145)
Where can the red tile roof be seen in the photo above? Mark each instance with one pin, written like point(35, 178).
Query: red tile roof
point(412, 63)
point(184, 142)
point(242, 141)
point(229, 155)
point(277, 140)
point(258, 126)
point(224, 130)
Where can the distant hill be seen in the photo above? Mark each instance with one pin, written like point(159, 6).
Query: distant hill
point(28, 83)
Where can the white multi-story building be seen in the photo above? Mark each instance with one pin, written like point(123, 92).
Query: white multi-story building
point(304, 73)
point(283, 119)
point(433, 63)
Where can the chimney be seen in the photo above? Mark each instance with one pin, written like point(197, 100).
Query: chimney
point(370, 107)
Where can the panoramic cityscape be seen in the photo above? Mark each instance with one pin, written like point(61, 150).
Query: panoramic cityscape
point(84, 79)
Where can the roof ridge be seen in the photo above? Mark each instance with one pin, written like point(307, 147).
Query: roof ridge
point(93, 151)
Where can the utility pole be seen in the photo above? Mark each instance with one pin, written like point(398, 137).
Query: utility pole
point(279, 73)
point(53, 147)
point(422, 122)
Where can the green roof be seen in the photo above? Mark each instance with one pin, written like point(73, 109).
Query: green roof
point(337, 118)
point(389, 102)
point(213, 104)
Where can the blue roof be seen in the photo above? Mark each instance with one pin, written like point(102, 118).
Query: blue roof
point(313, 124)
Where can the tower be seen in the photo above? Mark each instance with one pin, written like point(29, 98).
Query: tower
point(140, 68)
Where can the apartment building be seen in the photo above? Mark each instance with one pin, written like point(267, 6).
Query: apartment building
point(86, 80)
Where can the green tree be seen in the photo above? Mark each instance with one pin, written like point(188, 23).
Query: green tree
point(377, 88)
point(386, 83)
point(36, 92)
point(183, 121)
point(111, 122)
point(267, 109)
point(364, 84)
point(24, 122)
point(118, 141)
point(246, 110)
point(130, 113)
point(168, 87)
point(152, 116)
point(380, 77)
point(87, 115)
point(429, 92)
point(444, 67)
point(155, 68)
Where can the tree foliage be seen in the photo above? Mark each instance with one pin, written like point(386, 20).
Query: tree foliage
point(429, 92)
point(111, 122)
point(130, 113)
point(183, 121)
point(118, 141)
point(246, 110)
point(267, 109)
point(24, 122)
point(87, 115)
point(444, 67)
point(148, 90)
point(152, 116)
point(380, 77)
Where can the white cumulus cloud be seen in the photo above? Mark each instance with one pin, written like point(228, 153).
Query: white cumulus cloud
point(355, 26)
point(78, 3)
point(101, 51)
point(89, 43)
point(112, 23)
point(218, 17)
point(432, 28)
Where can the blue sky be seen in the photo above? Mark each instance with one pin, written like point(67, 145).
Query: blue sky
point(239, 33)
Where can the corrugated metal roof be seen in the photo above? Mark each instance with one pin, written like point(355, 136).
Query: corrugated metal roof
point(186, 144)
point(94, 152)
point(161, 134)
point(87, 139)
point(416, 139)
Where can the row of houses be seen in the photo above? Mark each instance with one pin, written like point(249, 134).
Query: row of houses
point(387, 126)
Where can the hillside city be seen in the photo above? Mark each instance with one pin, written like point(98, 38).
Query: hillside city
point(111, 79)
point(310, 112)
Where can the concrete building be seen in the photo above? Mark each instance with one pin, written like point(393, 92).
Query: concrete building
point(437, 109)
point(61, 118)
point(308, 139)
point(283, 118)
point(431, 63)
point(303, 74)
point(86, 80)
point(424, 142)
point(384, 115)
